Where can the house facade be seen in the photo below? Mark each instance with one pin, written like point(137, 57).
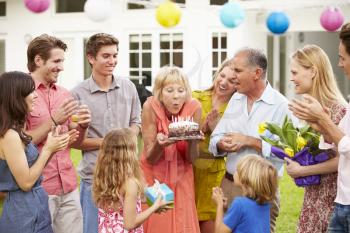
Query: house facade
point(198, 44)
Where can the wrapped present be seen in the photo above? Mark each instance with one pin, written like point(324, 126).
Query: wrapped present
point(152, 193)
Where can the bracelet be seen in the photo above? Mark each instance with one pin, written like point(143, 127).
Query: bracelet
point(54, 121)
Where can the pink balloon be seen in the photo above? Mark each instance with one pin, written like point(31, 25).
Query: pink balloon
point(37, 6)
point(331, 19)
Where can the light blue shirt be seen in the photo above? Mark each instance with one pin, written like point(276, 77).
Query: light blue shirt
point(271, 107)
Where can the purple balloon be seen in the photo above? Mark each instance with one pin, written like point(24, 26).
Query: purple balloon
point(37, 6)
point(331, 19)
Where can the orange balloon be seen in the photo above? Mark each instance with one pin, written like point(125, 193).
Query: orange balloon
point(168, 14)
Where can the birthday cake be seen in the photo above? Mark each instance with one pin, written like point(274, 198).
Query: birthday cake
point(183, 127)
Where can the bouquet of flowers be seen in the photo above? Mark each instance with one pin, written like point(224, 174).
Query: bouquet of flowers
point(298, 144)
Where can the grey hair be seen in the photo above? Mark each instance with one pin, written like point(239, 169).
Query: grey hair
point(255, 58)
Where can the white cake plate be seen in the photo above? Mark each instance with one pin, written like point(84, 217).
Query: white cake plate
point(194, 137)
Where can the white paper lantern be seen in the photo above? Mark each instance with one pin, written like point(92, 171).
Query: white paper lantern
point(98, 10)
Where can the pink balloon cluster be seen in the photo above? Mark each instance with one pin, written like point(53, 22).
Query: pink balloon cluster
point(37, 6)
point(331, 19)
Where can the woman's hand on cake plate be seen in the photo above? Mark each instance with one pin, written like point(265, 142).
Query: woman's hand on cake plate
point(163, 140)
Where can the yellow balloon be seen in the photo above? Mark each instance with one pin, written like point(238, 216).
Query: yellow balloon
point(168, 14)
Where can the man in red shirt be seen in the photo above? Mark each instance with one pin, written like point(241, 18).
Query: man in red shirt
point(55, 106)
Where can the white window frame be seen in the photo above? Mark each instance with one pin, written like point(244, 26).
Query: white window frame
point(219, 50)
point(140, 51)
point(171, 50)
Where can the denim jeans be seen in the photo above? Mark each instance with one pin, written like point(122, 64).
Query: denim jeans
point(90, 211)
point(340, 221)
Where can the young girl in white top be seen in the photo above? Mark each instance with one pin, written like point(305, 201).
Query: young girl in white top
point(118, 185)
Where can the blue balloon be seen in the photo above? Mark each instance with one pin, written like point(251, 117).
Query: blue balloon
point(277, 22)
point(231, 14)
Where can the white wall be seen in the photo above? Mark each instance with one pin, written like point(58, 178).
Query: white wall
point(198, 21)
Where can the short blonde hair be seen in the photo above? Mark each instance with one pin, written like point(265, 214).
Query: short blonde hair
point(258, 178)
point(117, 162)
point(169, 75)
point(324, 86)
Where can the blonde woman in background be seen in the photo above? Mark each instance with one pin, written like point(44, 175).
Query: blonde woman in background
point(312, 74)
point(209, 170)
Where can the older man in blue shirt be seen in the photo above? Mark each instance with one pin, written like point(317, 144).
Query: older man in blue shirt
point(236, 135)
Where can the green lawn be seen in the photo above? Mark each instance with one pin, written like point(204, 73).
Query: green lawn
point(291, 201)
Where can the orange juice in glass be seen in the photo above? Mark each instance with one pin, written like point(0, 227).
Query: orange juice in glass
point(75, 116)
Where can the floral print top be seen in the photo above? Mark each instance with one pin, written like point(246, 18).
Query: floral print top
point(110, 221)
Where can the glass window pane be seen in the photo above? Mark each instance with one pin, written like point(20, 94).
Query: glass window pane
point(134, 60)
point(164, 59)
point(177, 45)
point(164, 45)
point(2, 8)
point(177, 59)
point(147, 45)
point(223, 42)
point(133, 6)
point(147, 37)
point(68, 6)
point(146, 60)
point(148, 80)
point(134, 73)
point(134, 42)
point(134, 38)
point(134, 45)
point(147, 41)
point(179, 1)
point(215, 59)
point(223, 56)
point(217, 2)
point(215, 42)
point(164, 41)
point(164, 37)
point(178, 37)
